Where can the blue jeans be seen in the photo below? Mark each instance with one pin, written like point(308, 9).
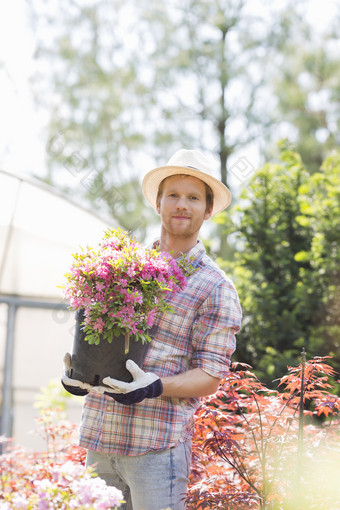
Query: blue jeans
point(153, 481)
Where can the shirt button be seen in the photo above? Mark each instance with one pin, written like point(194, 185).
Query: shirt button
point(109, 409)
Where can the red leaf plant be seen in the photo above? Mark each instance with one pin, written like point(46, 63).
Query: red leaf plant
point(245, 450)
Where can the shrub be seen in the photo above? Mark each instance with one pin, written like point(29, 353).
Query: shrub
point(253, 449)
point(54, 479)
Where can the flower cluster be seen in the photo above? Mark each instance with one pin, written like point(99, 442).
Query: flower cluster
point(47, 485)
point(55, 478)
point(122, 286)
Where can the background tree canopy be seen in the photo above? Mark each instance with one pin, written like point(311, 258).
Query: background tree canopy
point(127, 80)
point(128, 83)
point(287, 263)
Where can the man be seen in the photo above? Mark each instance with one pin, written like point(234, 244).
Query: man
point(139, 433)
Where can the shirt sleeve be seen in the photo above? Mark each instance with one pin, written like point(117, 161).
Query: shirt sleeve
point(219, 319)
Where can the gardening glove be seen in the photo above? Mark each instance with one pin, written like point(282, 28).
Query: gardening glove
point(74, 387)
point(144, 385)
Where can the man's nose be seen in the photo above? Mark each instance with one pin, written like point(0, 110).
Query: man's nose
point(181, 203)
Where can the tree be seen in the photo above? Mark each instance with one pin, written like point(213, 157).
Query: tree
point(286, 267)
point(196, 82)
point(320, 208)
point(128, 83)
point(93, 93)
point(306, 86)
point(246, 451)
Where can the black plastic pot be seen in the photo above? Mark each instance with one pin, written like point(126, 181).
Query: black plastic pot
point(92, 363)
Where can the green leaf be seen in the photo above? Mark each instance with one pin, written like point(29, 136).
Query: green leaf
point(302, 256)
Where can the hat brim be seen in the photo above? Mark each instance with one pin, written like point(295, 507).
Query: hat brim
point(152, 180)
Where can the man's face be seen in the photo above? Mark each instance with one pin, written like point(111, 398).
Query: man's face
point(182, 205)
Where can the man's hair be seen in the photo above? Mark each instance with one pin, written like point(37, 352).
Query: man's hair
point(209, 195)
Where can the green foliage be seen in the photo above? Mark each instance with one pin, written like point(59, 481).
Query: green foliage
point(322, 198)
point(307, 87)
point(52, 396)
point(286, 267)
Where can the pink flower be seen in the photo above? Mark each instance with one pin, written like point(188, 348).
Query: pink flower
point(19, 502)
point(130, 271)
point(150, 319)
point(120, 283)
point(99, 324)
point(94, 492)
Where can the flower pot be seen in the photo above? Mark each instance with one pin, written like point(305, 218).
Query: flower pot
point(92, 363)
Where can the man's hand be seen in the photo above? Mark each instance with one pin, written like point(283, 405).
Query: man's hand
point(74, 387)
point(144, 385)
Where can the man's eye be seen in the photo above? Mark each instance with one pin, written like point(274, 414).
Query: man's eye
point(172, 194)
point(194, 198)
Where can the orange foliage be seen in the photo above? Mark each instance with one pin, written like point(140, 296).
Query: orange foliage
point(246, 452)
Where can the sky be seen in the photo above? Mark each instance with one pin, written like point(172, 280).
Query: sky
point(21, 150)
point(22, 126)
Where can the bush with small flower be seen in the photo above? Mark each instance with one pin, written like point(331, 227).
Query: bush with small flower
point(43, 484)
point(122, 285)
point(245, 451)
point(54, 479)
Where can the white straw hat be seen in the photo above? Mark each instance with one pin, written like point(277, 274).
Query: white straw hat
point(187, 162)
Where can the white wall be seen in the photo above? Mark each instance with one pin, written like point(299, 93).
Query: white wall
point(41, 339)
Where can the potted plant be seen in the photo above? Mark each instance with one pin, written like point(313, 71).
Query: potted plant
point(117, 291)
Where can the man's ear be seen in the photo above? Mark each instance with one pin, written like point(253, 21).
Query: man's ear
point(208, 214)
point(158, 208)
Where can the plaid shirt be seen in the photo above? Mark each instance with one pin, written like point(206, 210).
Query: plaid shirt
point(199, 333)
